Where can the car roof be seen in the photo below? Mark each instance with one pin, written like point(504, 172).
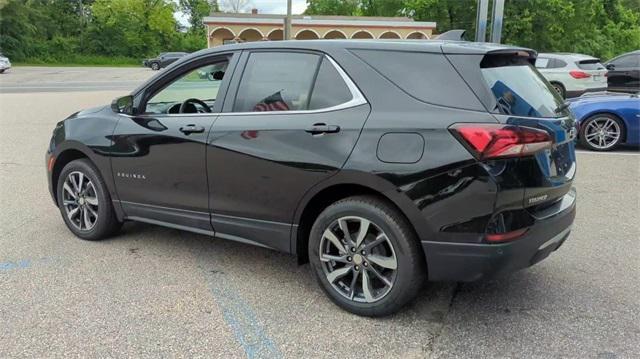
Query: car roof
point(566, 55)
point(439, 46)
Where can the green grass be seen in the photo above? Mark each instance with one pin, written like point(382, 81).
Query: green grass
point(82, 60)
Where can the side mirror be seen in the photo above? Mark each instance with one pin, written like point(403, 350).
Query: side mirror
point(123, 104)
point(610, 67)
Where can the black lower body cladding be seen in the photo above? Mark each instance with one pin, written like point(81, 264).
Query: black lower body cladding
point(471, 261)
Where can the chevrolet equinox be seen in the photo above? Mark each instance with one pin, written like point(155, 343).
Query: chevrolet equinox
point(382, 163)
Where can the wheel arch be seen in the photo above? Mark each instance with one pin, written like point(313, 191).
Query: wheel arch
point(320, 197)
point(564, 88)
point(67, 153)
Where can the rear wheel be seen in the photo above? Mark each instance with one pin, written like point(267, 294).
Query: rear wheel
point(601, 132)
point(84, 201)
point(365, 256)
point(559, 89)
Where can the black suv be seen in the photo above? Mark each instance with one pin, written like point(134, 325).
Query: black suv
point(163, 60)
point(381, 162)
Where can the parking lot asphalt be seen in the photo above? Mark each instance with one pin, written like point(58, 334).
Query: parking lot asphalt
point(151, 291)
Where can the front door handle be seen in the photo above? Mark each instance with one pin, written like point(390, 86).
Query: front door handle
point(189, 129)
point(320, 128)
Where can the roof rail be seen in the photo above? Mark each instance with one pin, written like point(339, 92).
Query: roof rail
point(457, 35)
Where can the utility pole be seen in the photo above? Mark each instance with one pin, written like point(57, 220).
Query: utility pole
point(287, 22)
point(496, 21)
point(481, 20)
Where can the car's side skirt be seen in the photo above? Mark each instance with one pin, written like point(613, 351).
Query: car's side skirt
point(268, 234)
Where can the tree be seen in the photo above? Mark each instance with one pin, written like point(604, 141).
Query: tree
point(235, 5)
point(195, 11)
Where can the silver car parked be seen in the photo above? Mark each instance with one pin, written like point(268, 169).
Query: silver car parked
point(5, 64)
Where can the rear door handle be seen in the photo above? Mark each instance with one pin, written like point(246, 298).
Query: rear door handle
point(189, 129)
point(320, 128)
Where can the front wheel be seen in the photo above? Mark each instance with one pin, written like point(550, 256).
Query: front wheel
point(365, 256)
point(84, 201)
point(155, 66)
point(602, 132)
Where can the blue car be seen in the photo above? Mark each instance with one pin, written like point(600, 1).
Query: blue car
point(607, 120)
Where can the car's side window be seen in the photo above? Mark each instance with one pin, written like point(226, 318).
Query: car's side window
point(627, 61)
point(556, 64)
point(329, 89)
point(276, 81)
point(201, 84)
point(542, 62)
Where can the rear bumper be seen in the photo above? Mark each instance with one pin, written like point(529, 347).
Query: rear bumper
point(471, 261)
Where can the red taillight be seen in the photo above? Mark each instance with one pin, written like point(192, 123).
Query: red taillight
point(579, 74)
point(505, 237)
point(488, 140)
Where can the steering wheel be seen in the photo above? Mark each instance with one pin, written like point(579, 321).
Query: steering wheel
point(183, 106)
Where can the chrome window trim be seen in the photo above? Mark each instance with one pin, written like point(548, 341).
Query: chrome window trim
point(357, 99)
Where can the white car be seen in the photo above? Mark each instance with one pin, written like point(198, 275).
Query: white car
point(572, 74)
point(5, 64)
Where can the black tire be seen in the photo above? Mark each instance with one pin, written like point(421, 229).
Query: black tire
point(617, 125)
point(409, 275)
point(560, 89)
point(155, 66)
point(106, 222)
point(2, 71)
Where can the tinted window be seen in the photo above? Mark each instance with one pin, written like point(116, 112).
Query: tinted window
point(329, 89)
point(627, 61)
point(202, 84)
point(542, 63)
point(591, 64)
point(557, 63)
point(276, 81)
point(518, 87)
point(423, 76)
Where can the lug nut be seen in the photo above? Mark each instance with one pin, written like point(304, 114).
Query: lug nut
point(365, 264)
point(357, 268)
point(349, 259)
point(353, 249)
point(364, 253)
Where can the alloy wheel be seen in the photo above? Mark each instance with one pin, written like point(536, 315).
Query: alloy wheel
point(358, 259)
point(602, 133)
point(80, 201)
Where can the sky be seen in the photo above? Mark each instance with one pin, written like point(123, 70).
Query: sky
point(278, 6)
point(263, 6)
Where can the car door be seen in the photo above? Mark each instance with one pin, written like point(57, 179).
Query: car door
point(624, 73)
point(290, 120)
point(158, 156)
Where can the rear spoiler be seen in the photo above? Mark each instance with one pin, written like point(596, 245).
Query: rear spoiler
point(455, 35)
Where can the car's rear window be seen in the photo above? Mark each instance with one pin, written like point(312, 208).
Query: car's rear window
point(591, 64)
point(518, 87)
